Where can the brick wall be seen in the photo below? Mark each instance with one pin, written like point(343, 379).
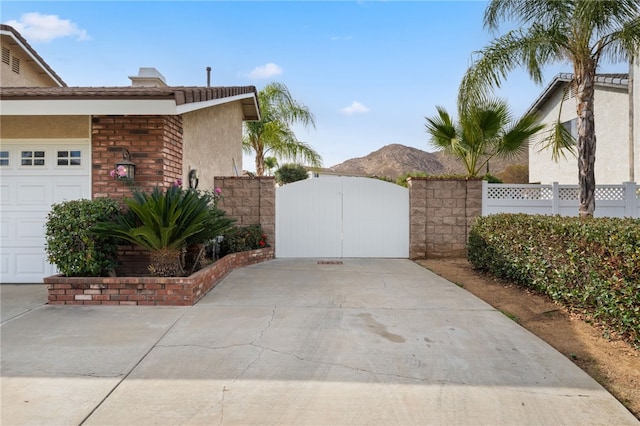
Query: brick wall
point(250, 200)
point(180, 291)
point(441, 215)
point(154, 144)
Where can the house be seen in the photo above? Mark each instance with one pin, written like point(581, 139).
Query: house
point(617, 152)
point(61, 143)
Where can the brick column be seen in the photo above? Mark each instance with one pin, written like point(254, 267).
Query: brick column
point(441, 216)
point(154, 144)
point(250, 200)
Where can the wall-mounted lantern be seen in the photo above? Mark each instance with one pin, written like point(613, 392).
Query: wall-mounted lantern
point(125, 169)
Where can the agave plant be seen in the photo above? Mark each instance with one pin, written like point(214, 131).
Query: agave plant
point(163, 223)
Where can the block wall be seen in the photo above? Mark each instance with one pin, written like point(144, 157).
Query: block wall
point(441, 215)
point(250, 200)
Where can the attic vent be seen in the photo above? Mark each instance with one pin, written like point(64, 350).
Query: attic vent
point(5, 55)
point(15, 65)
point(569, 93)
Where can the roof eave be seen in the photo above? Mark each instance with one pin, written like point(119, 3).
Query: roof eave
point(7, 30)
point(249, 103)
point(41, 105)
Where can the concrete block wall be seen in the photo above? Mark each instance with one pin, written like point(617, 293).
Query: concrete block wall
point(441, 215)
point(250, 200)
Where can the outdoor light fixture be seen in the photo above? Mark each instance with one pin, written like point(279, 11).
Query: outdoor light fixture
point(125, 169)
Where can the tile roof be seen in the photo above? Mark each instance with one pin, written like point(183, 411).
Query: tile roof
point(31, 50)
point(181, 94)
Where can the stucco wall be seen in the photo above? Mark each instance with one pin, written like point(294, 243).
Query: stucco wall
point(612, 136)
point(49, 127)
point(30, 75)
point(212, 153)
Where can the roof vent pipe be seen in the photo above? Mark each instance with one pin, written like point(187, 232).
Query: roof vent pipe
point(208, 76)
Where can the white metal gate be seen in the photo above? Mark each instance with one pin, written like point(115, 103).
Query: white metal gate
point(342, 217)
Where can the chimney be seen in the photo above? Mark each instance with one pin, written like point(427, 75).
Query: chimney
point(148, 77)
point(208, 76)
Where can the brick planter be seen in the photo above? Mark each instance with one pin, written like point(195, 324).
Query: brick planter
point(165, 291)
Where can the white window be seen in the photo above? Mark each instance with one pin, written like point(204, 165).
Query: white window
point(4, 158)
point(69, 158)
point(32, 158)
point(572, 127)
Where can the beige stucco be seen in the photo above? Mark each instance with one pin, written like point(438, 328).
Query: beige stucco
point(45, 127)
point(212, 152)
point(31, 74)
point(611, 112)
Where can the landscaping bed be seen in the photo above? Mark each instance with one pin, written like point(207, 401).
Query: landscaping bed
point(163, 291)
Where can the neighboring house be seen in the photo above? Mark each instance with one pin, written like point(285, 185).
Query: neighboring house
point(21, 65)
point(60, 143)
point(615, 158)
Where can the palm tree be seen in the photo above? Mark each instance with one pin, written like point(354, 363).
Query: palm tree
point(484, 131)
point(270, 163)
point(273, 134)
point(582, 32)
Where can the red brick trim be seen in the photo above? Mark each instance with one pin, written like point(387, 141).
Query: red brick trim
point(179, 291)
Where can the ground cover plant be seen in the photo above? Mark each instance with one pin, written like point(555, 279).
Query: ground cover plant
point(243, 238)
point(591, 266)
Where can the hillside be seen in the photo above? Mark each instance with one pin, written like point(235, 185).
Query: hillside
point(396, 160)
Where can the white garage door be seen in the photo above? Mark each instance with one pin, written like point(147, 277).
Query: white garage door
point(33, 176)
point(342, 217)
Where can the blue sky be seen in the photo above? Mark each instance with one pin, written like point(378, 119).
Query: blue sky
point(369, 71)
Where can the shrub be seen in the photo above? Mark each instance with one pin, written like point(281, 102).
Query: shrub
point(588, 265)
point(288, 173)
point(491, 178)
point(69, 243)
point(162, 222)
point(243, 238)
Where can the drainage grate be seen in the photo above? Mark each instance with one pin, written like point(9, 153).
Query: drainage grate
point(329, 262)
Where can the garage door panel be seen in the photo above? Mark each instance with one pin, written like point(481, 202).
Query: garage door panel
point(32, 195)
point(31, 264)
point(4, 193)
point(27, 193)
point(30, 231)
point(4, 229)
point(68, 192)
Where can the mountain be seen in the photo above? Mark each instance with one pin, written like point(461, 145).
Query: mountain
point(396, 160)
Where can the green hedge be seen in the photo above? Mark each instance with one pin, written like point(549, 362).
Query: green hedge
point(71, 245)
point(590, 265)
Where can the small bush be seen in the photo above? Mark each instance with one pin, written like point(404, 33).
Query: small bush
point(588, 265)
point(71, 246)
point(289, 173)
point(491, 178)
point(243, 238)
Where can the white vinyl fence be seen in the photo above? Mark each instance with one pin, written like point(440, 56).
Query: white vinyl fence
point(555, 199)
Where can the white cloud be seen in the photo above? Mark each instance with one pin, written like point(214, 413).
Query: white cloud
point(355, 108)
point(265, 71)
point(340, 38)
point(43, 28)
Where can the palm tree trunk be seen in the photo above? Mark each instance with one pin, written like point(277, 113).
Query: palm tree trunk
point(584, 86)
point(259, 165)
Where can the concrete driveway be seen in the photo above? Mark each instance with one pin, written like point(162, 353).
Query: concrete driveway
point(292, 342)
